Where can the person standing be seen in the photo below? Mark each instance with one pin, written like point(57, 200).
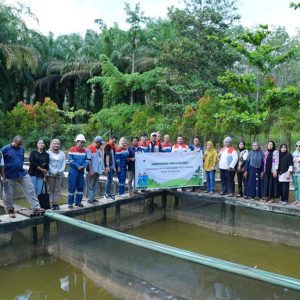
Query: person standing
point(95, 167)
point(271, 161)
point(180, 146)
point(196, 146)
point(153, 145)
point(254, 172)
point(143, 144)
point(77, 163)
point(209, 166)
point(2, 174)
point(38, 167)
point(166, 146)
point(296, 174)
point(285, 170)
point(57, 165)
point(228, 158)
point(132, 150)
point(242, 154)
point(13, 156)
point(122, 154)
point(110, 165)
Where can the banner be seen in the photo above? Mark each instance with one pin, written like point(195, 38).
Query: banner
point(168, 170)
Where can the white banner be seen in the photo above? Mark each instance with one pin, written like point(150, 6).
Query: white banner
point(168, 170)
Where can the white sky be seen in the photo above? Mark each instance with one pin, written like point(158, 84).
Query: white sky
point(67, 16)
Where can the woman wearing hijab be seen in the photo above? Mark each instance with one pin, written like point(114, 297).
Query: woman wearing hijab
point(254, 172)
point(228, 158)
point(209, 166)
point(296, 174)
point(285, 170)
point(243, 154)
point(271, 161)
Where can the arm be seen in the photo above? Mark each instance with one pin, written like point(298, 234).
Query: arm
point(63, 167)
point(71, 160)
point(235, 158)
point(89, 159)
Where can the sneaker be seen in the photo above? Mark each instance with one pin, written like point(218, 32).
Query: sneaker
point(70, 206)
point(90, 201)
point(283, 202)
point(79, 205)
point(11, 213)
point(230, 195)
point(122, 195)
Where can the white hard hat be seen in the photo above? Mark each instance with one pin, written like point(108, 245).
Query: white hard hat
point(80, 137)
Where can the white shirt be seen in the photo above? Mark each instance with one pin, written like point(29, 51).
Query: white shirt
point(227, 159)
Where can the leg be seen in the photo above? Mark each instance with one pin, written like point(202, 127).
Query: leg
point(296, 182)
point(122, 178)
point(9, 189)
point(285, 191)
point(51, 183)
point(89, 186)
point(95, 185)
point(56, 189)
point(29, 193)
point(230, 181)
point(72, 180)
point(212, 181)
point(130, 180)
point(240, 182)
point(208, 183)
point(35, 184)
point(223, 180)
point(109, 181)
point(79, 188)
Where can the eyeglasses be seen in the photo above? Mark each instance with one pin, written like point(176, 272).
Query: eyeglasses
point(297, 145)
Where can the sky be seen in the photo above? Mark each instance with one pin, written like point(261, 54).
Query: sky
point(68, 16)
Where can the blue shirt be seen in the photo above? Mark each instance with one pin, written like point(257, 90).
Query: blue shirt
point(13, 162)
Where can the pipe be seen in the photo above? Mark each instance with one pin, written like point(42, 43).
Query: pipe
point(268, 277)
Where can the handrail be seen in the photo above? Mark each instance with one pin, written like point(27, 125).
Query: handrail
point(269, 277)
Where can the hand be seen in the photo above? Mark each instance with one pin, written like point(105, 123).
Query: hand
point(91, 173)
point(262, 175)
point(239, 168)
point(229, 169)
point(275, 174)
point(80, 168)
point(245, 174)
point(107, 170)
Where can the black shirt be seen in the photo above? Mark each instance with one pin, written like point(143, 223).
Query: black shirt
point(38, 159)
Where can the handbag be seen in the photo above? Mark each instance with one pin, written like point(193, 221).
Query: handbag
point(44, 197)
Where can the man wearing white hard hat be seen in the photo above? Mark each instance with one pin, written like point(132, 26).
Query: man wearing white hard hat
point(77, 163)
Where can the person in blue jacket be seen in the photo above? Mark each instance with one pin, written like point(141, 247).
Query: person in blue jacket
point(77, 163)
point(122, 155)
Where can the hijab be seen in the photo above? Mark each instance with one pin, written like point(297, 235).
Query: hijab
point(285, 160)
point(297, 151)
point(211, 147)
point(255, 157)
point(269, 159)
point(244, 146)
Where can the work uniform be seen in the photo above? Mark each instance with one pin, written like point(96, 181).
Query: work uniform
point(131, 166)
point(143, 146)
point(77, 158)
point(166, 147)
point(154, 147)
point(180, 148)
point(121, 163)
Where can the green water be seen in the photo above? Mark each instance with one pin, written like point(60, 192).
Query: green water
point(262, 255)
point(46, 277)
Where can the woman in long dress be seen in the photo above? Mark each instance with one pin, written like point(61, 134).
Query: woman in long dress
point(285, 169)
point(271, 161)
point(254, 172)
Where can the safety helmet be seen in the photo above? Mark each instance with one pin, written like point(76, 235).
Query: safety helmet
point(80, 137)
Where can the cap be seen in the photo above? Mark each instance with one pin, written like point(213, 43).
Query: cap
point(153, 134)
point(99, 139)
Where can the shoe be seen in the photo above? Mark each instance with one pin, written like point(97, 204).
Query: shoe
point(230, 195)
point(55, 207)
point(246, 197)
point(211, 193)
point(70, 206)
point(206, 192)
point(239, 195)
point(79, 205)
point(283, 202)
point(222, 194)
point(94, 200)
point(90, 201)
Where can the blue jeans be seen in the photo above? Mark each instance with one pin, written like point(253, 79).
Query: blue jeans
point(210, 180)
point(109, 182)
point(37, 184)
point(122, 179)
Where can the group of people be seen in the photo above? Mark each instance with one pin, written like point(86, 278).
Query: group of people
point(263, 175)
point(260, 175)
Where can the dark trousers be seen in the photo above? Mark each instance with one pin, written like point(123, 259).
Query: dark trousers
point(227, 181)
point(284, 191)
point(241, 182)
